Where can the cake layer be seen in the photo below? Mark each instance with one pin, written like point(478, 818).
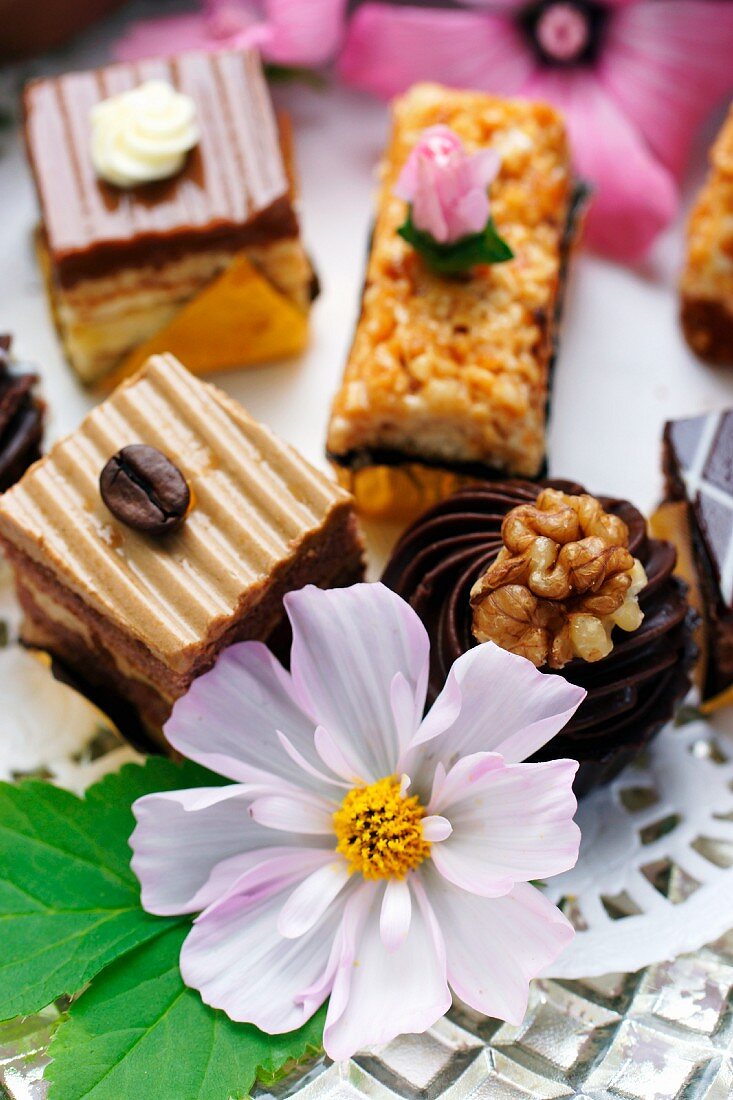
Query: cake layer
point(707, 280)
point(233, 191)
point(101, 655)
point(104, 321)
point(258, 507)
point(451, 371)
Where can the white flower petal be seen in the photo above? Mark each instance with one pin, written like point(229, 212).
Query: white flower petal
point(436, 828)
point(229, 718)
point(463, 866)
point(495, 946)
point(396, 914)
point(510, 824)
point(294, 812)
point(333, 756)
point(300, 760)
point(269, 870)
point(309, 901)
point(348, 645)
point(379, 994)
point(240, 963)
point(189, 846)
point(507, 707)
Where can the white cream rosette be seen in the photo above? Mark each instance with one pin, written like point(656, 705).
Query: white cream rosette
point(143, 134)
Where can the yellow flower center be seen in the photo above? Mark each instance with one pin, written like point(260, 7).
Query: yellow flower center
point(379, 831)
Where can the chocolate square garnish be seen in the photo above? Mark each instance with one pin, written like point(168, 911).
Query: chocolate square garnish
point(718, 468)
point(698, 464)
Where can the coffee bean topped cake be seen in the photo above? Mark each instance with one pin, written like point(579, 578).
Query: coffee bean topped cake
point(201, 522)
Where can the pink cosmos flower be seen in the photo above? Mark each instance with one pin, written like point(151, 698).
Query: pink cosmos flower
point(633, 77)
point(363, 852)
point(448, 189)
point(288, 32)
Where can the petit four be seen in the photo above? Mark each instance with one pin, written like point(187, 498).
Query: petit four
point(569, 581)
point(706, 287)
point(698, 515)
point(168, 214)
point(22, 415)
point(202, 522)
point(448, 373)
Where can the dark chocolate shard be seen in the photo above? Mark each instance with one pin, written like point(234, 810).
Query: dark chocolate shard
point(698, 466)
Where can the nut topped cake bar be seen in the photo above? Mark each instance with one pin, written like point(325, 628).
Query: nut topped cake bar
point(202, 521)
point(168, 214)
point(706, 286)
point(448, 373)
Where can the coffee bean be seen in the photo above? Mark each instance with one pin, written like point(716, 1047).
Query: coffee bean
point(145, 490)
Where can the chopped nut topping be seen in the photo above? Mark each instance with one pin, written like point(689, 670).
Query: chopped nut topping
point(563, 579)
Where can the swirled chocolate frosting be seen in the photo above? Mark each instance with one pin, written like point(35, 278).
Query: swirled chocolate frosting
point(631, 693)
point(21, 417)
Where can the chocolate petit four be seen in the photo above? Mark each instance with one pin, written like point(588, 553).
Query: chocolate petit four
point(698, 514)
point(573, 583)
point(22, 415)
point(168, 214)
point(706, 286)
point(448, 375)
point(202, 521)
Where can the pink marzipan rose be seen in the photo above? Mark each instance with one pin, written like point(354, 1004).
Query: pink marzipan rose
point(447, 187)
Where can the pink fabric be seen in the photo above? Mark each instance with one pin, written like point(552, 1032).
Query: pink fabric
point(634, 195)
point(447, 187)
point(666, 64)
point(387, 48)
point(289, 32)
point(662, 66)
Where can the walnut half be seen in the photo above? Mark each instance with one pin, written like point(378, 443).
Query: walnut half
point(563, 579)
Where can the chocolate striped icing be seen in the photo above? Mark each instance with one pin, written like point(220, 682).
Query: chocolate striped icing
point(232, 192)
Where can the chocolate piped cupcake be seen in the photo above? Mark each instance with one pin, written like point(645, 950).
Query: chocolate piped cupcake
point(21, 417)
point(569, 581)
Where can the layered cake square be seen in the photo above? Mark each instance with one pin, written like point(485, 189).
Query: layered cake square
point(207, 262)
point(449, 376)
point(141, 614)
point(707, 279)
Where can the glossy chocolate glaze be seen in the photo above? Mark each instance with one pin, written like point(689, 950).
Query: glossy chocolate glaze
point(232, 192)
point(631, 693)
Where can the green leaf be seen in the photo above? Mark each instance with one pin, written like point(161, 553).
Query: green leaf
point(138, 1032)
point(69, 903)
point(458, 257)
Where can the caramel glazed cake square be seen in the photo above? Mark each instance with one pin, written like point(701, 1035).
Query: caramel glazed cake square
point(120, 264)
point(707, 280)
point(454, 372)
point(140, 616)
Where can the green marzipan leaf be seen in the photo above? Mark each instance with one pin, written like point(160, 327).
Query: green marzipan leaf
point(139, 1032)
point(69, 903)
point(486, 247)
